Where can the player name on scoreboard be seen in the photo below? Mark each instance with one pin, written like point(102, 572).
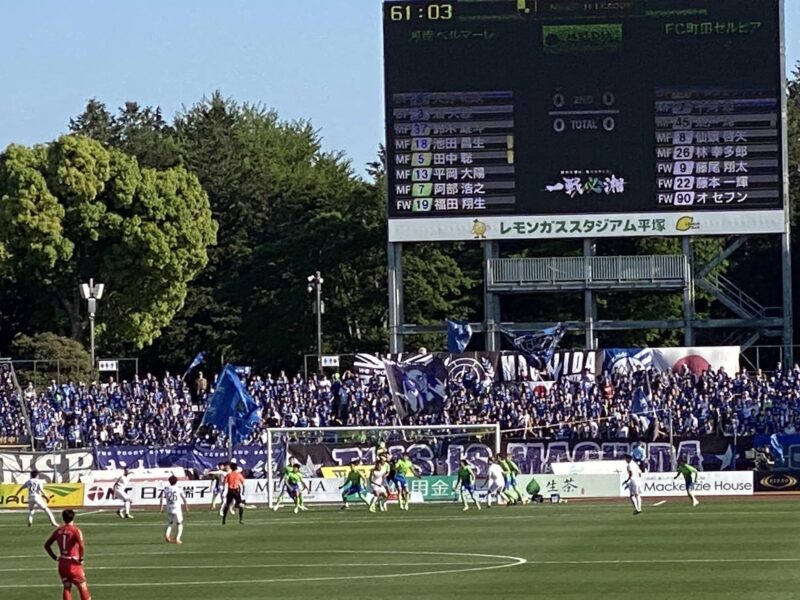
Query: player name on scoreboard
point(717, 147)
point(453, 152)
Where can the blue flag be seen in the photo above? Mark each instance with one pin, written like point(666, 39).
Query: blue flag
point(539, 348)
point(419, 387)
point(196, 361)
point(231, 404)
point(775, 443)
point(458, 335)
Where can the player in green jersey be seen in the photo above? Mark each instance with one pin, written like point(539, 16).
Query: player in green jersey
point(510, 472)
point(465, 480)
point(353, 485)
point(690, 477)
point(294, 487)
point(289, 468)
point(404, 469)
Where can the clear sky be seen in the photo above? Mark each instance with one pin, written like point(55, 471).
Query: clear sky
point(314, 59)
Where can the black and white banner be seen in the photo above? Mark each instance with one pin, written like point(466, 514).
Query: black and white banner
point(64, 466)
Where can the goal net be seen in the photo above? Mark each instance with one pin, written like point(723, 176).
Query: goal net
point(325, 453)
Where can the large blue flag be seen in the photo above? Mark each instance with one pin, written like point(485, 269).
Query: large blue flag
point(231, 405)
point(418, 387)
point(458, 335)
point(540, 347)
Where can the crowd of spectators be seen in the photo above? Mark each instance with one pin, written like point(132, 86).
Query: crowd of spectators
point(13, 427)
point(161, 411)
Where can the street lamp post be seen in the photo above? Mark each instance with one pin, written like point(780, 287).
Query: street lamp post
point(315, 285)
point(91, 292)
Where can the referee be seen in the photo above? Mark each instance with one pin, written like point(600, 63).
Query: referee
point(234, 483)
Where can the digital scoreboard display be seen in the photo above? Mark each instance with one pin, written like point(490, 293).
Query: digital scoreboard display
point(583, 118)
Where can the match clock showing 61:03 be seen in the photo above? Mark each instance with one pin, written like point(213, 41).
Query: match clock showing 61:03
point(439, 11)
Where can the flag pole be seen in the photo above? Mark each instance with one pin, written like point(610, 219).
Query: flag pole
point(230, 438)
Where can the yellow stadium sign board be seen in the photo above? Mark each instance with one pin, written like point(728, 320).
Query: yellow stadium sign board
point(58, 495)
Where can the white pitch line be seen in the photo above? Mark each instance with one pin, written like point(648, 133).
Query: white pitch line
point(266, 566)
point(516, 561)
point(472, 519)
point(91, 512)
point(660, 503)
point(658, 561)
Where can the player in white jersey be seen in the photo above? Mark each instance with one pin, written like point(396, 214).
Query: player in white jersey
point(218, 492)
point(495, 482)
point(634, 483)
point(121, 493)
point(173, 497)
point(36, 498)
point(377, 481)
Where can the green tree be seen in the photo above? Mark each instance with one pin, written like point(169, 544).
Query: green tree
point(73, 209)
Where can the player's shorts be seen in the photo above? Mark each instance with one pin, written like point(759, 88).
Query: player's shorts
point(689, 484)
point(495, 487)
point(234, 497)
point(122, 495)
point(469, 486)
point(379, 490)
point(174, 516)
point(36, 502)
point(400, 481)
point(71, 571)
point(218, 490)
point(292, 490)
point(633, 488)
point(353, 490)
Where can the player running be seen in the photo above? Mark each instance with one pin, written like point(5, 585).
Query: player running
point(634, 483)
point(404, 469)
point(173, 496)
point(218, 493)
point(121, 493)
point(496, 483)
point(36, 498)
point(234, 486)
point(353, 485)
point(289, 468)
point(70, 558)
point(377, 481)
point(690, 478)
point(465, 480)
point(294, 487)
point(510, 472)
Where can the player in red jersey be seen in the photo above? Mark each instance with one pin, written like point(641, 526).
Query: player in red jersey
point(70, 559)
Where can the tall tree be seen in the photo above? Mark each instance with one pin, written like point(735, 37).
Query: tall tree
point(72, 209)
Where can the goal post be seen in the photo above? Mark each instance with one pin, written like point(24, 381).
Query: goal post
point(396, 437)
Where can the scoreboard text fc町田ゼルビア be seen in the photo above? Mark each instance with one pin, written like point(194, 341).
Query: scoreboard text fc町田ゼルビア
point(578, 118)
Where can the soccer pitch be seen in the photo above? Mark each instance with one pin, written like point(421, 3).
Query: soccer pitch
point(721, 549)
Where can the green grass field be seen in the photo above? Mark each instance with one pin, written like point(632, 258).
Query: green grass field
point(722, 549)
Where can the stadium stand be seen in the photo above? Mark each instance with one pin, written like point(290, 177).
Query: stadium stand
point(161, 411)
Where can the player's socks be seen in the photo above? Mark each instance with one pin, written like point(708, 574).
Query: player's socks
point(180, 533)
point(168, 534)
point(30, 518)
point(66, 594)
point(83, 590)
point(241, 514)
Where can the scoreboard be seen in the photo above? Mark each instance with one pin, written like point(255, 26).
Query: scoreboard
point(514, 119)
